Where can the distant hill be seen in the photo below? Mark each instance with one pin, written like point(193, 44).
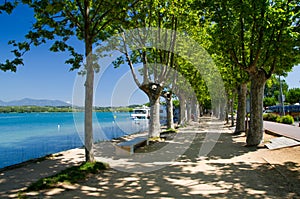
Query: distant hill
point(34, 102)
point(2, 103)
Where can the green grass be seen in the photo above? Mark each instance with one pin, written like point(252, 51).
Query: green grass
point(70, 175)
point(170, 130)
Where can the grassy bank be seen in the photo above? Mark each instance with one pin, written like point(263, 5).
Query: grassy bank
point(70, 175)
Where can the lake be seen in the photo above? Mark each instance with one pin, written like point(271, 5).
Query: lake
point(26, 136)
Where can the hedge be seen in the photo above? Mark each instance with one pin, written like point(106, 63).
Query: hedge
point(276, 118)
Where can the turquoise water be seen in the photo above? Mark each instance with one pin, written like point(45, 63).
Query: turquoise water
point(25, 136)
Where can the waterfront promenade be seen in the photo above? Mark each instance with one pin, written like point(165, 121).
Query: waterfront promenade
point(226, 170)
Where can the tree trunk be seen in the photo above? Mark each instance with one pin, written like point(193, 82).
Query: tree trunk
point(88, 113)
point(89, 87)
point(255, 134)
point(153, 92)
point(231, 110)
point(196, 111)
point(154, 124)
point(221, 111)
point(241, 110)
point(227, 111)
point(182, 119)
point(189, 111)
point(201, 112)
point(170, 121)
point(218, 111)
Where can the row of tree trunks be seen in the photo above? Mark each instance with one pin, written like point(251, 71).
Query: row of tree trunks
point(255, 132)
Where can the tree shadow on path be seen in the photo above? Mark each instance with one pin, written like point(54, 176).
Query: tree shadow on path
point(227, 171)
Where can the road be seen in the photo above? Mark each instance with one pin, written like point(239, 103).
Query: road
point(283, 129)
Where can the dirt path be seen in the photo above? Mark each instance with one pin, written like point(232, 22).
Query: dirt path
point(213, 164)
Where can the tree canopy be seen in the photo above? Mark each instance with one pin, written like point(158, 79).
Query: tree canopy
point(248, 40)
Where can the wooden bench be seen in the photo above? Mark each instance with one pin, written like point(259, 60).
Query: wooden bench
point(128, 147)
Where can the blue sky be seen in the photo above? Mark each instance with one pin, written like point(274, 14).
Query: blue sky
point(45, 76)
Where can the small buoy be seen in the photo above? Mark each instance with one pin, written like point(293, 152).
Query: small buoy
point(58, 127)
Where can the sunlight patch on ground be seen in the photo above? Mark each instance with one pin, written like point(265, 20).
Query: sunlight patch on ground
point(154, 190)
point(200, 167)
point(253, 191)
point(196, 187)
point(54, 191)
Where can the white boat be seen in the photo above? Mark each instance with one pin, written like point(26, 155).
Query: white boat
point(141, 113)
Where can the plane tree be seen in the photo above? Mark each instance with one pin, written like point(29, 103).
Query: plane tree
point(262, 38)
point(149, 38)
point(59, 23)
point(155, 72)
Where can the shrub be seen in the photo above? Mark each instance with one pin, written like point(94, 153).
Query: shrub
point(287, 119)
point(271, 117)
point(276, 118)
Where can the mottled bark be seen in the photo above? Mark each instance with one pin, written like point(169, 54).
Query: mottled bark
point(170, 121)
point(153, 92)
point(255, 134)
point(88, 113)
point(241, 110)
point(88, 121)
point(89, 90)
point(154, 123)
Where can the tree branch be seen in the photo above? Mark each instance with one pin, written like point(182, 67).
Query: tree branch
point(129, 60)
point(242, 36)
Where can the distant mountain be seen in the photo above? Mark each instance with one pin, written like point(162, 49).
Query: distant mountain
point(34, 102)
point(2, 103)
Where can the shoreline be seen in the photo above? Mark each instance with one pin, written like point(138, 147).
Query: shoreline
point(36, 160)
point(60, 153)
point(31, 136)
